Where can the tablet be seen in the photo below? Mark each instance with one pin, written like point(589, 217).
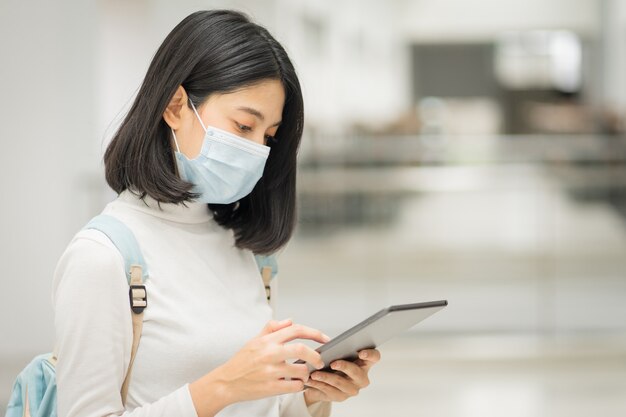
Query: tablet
point(374, 331)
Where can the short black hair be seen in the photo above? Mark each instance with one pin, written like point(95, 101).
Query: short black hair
point(214, 51)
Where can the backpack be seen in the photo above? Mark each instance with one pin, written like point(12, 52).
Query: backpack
point(34, 391)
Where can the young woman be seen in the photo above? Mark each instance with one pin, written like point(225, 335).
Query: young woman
point(205, 165)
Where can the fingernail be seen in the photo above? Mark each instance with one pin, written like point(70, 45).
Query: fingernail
point(326, 337)
point(363, 355)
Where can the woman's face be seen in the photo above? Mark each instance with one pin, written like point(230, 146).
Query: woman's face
point(253, 113)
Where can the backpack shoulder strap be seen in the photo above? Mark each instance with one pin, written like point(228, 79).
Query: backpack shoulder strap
point(123, 239)
point(268, 267)
point(136, 274)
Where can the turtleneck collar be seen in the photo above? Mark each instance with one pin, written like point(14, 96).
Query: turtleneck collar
point(190, 212)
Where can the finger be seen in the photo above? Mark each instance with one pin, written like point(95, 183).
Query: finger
point(370, 355)
point(353, 371)
point(342, 383)
point(365, 365)
point(286, 386)
point(332, 393)
point(313, 394)
point(304, 352)
point(293, 371)
point(274, 325)
point(298, 331)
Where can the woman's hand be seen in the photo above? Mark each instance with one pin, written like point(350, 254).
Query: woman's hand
point(353, 376)
point(260, 368)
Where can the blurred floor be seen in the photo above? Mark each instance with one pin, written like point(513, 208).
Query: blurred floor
point(495, 376)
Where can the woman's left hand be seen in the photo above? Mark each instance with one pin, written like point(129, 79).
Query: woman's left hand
point(328, 386)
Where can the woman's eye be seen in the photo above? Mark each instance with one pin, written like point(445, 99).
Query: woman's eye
point(244, 128)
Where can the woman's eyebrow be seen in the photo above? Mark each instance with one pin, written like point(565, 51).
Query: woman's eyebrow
point(256, 113)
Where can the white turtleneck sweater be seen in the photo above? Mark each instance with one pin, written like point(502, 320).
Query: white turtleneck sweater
point(206, 299)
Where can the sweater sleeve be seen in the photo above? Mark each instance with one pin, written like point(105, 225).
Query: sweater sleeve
point(93, 333)
point(293, 405)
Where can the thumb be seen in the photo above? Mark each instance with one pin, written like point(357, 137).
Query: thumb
point(274, 325)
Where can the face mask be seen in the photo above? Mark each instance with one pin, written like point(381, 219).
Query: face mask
point(227, 168)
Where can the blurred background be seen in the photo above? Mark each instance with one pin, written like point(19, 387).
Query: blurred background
point(468, 150)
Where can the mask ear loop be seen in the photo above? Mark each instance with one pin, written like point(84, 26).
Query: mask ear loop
point(197, 115)
point(199, 119)
point(175, 141)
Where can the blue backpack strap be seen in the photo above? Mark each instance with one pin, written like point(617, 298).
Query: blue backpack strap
point(268, 267)
point(136, 274)
point(123, 239)
point(269, 261)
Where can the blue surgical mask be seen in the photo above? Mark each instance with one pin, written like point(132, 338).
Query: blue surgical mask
point(227, 168)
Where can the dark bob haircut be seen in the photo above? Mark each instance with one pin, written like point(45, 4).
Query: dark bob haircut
point(216, 51)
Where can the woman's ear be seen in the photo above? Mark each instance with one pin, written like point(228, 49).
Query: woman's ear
point(173, 112)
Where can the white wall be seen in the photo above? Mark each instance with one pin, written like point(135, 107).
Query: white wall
point(480, 20)
point(613, 83)
point(354, 68)
point(47, 161)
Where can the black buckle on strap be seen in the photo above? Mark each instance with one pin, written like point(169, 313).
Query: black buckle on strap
point(137, 304)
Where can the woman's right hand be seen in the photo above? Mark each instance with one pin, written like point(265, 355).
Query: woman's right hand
point(259, 369)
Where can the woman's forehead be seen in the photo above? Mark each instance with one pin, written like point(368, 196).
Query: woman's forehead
point(265, 100)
